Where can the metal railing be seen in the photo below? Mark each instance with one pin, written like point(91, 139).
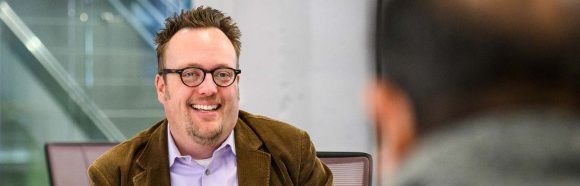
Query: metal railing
point(156, 14)
point(133, 21)
point(53, 67)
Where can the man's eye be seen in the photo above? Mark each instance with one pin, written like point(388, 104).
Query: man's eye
point(223, 74)
point(190, 74)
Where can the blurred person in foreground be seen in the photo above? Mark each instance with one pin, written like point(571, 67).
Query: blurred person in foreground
point(206, 139)
point(478, 92)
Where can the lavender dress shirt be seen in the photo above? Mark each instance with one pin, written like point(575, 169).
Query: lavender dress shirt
point(220, 169)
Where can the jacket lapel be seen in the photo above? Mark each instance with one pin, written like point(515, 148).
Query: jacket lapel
point(253, 164)
point(154, 159)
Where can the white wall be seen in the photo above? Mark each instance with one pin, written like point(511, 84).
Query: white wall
point(306, 62)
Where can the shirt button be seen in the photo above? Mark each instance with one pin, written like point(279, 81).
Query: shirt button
point(206, 172)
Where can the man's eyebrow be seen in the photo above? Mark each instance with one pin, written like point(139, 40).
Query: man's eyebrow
point(196, 65)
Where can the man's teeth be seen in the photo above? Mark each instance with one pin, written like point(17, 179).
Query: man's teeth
point(205, 107)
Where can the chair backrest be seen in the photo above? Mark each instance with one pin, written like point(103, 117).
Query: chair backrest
point(349, 168)
point(68, 162)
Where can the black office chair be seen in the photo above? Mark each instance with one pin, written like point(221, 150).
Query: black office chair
point(349, 168)
point(68, 164)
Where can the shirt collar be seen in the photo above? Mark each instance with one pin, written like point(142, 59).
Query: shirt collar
point(174, 151)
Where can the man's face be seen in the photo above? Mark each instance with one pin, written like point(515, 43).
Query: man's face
point(206, 113)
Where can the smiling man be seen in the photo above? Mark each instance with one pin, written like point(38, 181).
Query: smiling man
point(206, 139)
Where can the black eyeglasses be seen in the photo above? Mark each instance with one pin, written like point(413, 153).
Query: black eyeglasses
point(193, 76)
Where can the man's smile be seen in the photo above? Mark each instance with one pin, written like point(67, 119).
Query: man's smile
point(200, 107)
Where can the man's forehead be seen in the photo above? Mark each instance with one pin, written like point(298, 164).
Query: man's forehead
point(192, 45)
point(188, 30)
point(198, 33)
point(201, 35)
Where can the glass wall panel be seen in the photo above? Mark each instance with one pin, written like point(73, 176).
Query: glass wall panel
point(98, 57)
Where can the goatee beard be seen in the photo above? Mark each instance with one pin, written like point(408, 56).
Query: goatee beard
point(204, 139)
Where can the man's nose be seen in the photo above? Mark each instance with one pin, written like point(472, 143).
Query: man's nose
point(207, 87)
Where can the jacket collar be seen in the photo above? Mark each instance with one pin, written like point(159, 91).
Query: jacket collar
point(253, 164)
point(153, 160)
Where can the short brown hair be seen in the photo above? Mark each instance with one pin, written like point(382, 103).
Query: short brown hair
point(201, 17)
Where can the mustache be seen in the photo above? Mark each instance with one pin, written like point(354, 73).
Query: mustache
point(212, 98)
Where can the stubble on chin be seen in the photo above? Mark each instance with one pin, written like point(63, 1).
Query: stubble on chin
point(209, 138)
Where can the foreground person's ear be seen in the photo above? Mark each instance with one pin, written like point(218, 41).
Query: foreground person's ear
point(394, 124)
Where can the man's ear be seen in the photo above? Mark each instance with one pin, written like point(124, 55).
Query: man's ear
point(161, 87)
point(394, 122)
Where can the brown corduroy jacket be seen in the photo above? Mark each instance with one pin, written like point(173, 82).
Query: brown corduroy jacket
point(268, 152)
